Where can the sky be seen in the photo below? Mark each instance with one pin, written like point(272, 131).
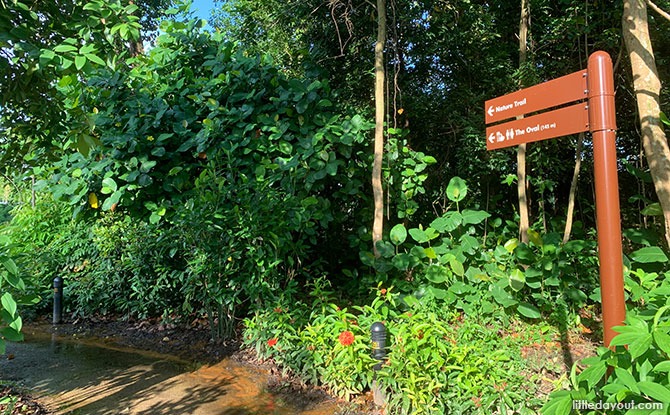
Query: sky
point(202, 8)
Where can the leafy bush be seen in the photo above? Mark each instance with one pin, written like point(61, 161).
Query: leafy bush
point(636, 374)
point(237, 251)
point(202, 99)
point(447, 264)
point(36, 234)
point(132, 268)
point(635, 371)
point(11, 288)
point(434, 365)
point(111, 264)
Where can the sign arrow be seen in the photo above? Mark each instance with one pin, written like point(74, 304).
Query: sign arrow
point(563, 121)
point(550, 94)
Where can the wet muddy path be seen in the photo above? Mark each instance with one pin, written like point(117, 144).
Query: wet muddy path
point(95, 377)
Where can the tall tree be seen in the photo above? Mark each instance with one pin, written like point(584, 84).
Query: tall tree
point(647, 92)
point(522, 182)
point(377, 187)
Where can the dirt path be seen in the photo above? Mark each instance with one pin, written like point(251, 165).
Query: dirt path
point(97, 378)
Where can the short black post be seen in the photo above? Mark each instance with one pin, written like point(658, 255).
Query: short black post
point(58, 300)
point(378, 331)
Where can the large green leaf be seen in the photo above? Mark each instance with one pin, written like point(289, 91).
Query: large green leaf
point(517, 280)
point(593, 374)
point(474, 217)
point(419, 235)
point(9, 265)
point(108, 186)
point(662, 340)
point(653, 209)
point(437, 274)
point(398, 234)
point(502, 297)
point(111, 200)
point(649, 254)
point(560, 403)
point(456, 189)
point(385, 249)
point(627, 379)
point(655, 391)
point(639, 346)
point(11, 334)
point(9, 304)
point(528, 310)
point(448, 222)
point(401, 261)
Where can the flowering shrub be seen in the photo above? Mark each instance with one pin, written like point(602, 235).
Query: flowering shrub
point(346, 338)
point(435, 363)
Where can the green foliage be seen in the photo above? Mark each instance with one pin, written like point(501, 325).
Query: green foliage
point(217, 145)
point(405, 171)
point(5, 213)
point(435, 364)
point(635, 370)
point(452, 266)
point(109, 265)
point(636, 374)
point(122, 266)
point(10, 284)
point(237, 252)
point(202, 100)
point(42, 42)
point(309, 340)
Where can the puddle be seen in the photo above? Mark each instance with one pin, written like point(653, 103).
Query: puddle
point(87, 377)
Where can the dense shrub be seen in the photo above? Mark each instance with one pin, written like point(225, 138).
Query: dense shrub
point(634, 373)
point(436, 363)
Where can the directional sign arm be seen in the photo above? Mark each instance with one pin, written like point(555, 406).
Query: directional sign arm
point(559, 91)
point(564, 121)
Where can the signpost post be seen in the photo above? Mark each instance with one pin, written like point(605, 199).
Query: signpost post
point(597, 116)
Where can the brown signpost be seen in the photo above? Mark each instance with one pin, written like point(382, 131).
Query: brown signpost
point(598, 116)
point(557, 123)
point(559, 91)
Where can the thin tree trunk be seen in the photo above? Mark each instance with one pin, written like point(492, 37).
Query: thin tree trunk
point(378, 191)
point(573, 189)
point(524, 221)
point(647, 91)
point(136, 47)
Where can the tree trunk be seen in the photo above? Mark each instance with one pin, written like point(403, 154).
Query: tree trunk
point(647, 91)
point(524, 221)
point(378, 191)
point(136, 47)
point(573, 189)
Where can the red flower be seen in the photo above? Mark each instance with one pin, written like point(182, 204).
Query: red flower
point(272, 342)
point(346, 338)
point(477, 401)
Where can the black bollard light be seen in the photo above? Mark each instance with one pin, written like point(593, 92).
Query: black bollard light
point(58, 300)
point(378, 331)
point(378, 343)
